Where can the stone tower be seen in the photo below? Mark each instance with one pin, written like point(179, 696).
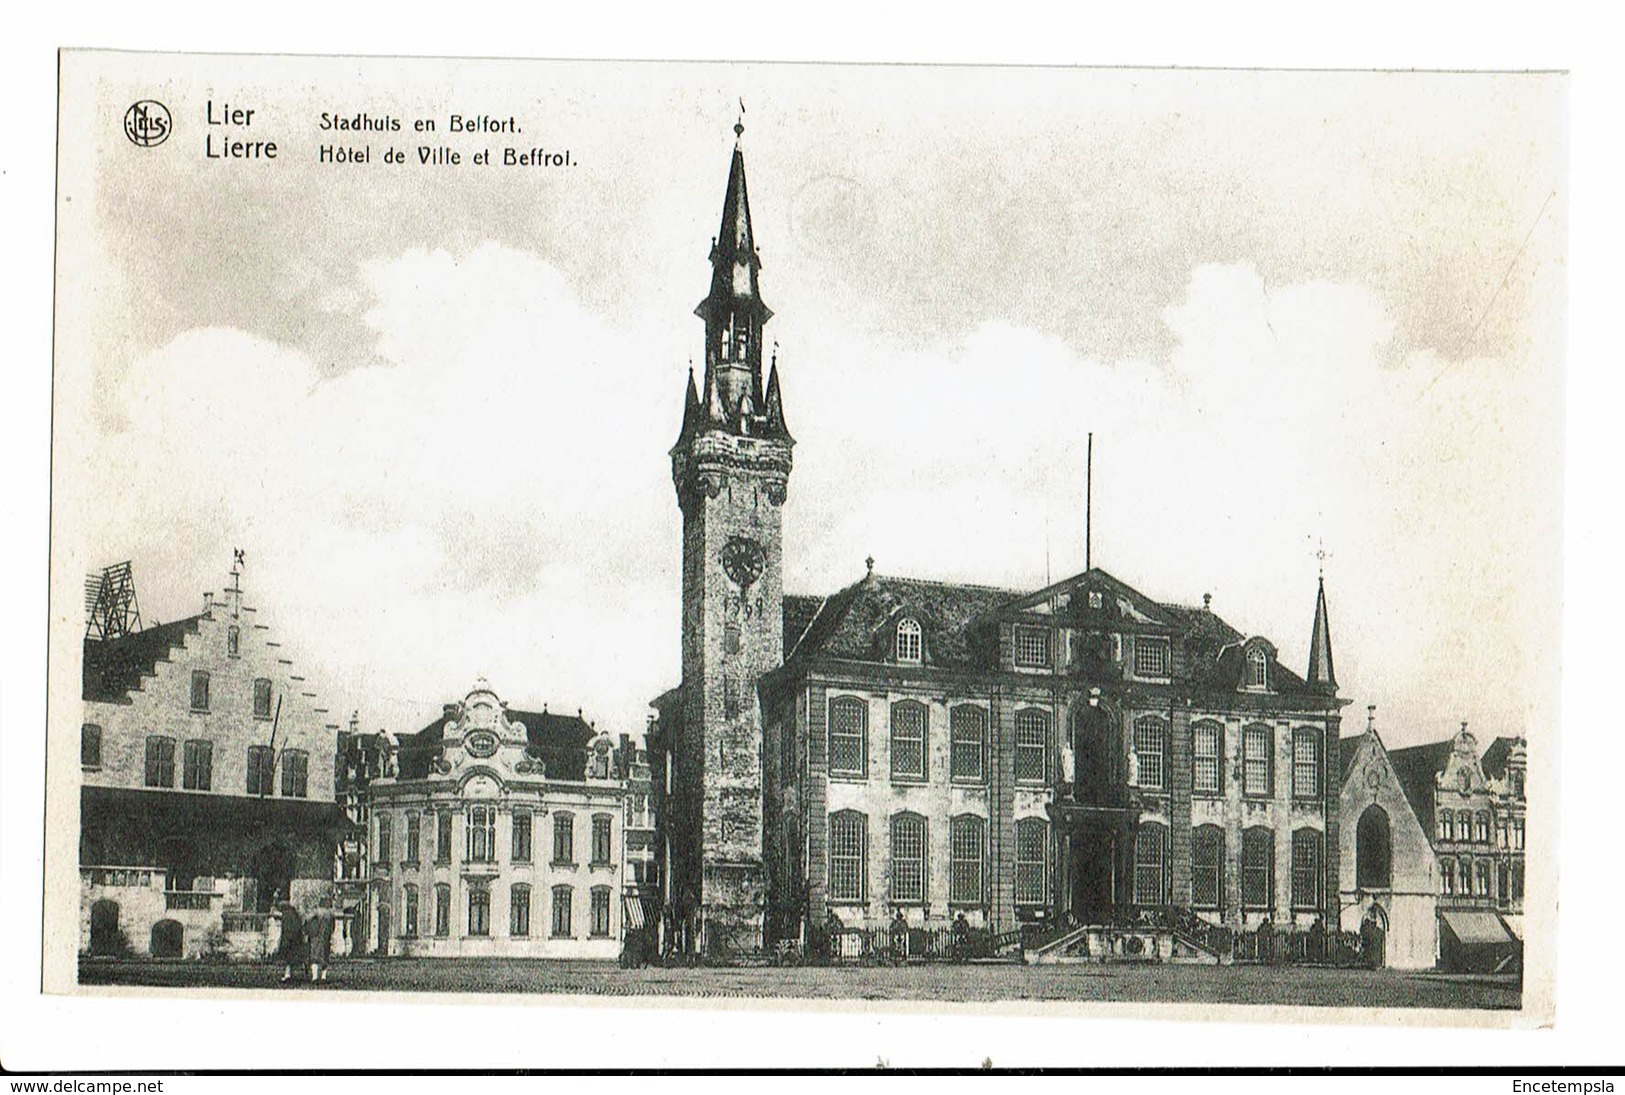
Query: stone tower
point(730, 466)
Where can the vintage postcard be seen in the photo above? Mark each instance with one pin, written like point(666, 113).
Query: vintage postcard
point(1062, 541)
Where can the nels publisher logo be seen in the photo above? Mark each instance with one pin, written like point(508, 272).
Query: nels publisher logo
point(147, 123)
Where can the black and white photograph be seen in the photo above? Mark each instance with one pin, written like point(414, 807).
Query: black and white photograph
point(1051, 541)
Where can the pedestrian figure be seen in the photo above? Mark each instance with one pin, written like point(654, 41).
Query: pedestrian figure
point(1266, 940)
point(319, 932)
point(833, 930)
point(899, 938)
point(961, 937)
point(290, 948)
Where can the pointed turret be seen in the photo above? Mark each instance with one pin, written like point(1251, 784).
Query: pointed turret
point(1322, 676)
point(773, 406)
point(693, 413)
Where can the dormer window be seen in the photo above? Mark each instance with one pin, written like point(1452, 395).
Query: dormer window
point(1258, 669)
point(1151, 656)
point(909, 642)
point(1032, 647)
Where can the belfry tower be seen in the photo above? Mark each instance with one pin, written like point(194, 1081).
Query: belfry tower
point(730, 466)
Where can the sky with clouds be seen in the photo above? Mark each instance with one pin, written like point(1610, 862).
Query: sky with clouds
point(434, 406)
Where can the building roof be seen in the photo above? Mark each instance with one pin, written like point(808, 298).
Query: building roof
point(1494, 761)
point(1418, 768)
point(559, 741)
point(115, 667)
point(959, 623)
point(1347, 747)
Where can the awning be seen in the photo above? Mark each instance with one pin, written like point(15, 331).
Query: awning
point(639, 911)
point(1476, 927)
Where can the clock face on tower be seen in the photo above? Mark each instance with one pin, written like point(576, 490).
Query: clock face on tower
point(743, 560)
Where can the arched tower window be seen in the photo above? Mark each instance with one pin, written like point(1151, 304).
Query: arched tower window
point(1258, 669)
point(1373, 850)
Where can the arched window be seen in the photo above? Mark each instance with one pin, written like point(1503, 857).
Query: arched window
point(90, 746)
point(968, 745)
point(1447, 825)
point(1481, 878)
point(909, 641)
point(481, 837)
point(479, 909)
point(521, 826)
point(1032, 861)
point(600, 911)
point(232, 640)
point(409, 900)
point(1306, 872)
point(1481, 827)
point(1258, 761)
point(562, 918)
point(1032, 746)
point(603, 842)
point(564, 839)
point(848, 857)
point(1150, 738)
point(1207, 749)
point(1258, 669)
point(1150, 864)
point(385, 849)
point(1257, 868)
point(1373, 850)
point(908, 858)
point(442, 908)
point(414, 836)
point(442, 837)
point(1447, 875)
point(908, 741)
point(1207, 867)
point(848, 736)
point(519, 909)
point(967, 841)
point(1306, 762)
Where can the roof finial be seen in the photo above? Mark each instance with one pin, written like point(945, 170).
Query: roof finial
point(1370, 717)
point(1207, 602)
point(870, 563)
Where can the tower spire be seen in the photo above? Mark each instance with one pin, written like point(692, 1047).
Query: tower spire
point(1322, 676)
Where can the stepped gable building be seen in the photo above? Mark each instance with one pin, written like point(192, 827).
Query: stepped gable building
point(1390, 880)
point(207, 784)
point(1081, 751)
point(1474, 811)
point(500, 832)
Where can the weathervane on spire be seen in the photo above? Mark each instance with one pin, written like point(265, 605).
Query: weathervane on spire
point(1321, 555)
point(739, 126)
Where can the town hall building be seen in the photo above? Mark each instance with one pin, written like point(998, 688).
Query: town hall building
point(1082, 753)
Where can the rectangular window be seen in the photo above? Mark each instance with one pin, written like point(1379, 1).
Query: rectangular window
point(1447, 875)
point(603, 844)
point(1517, 834)
point(262, 698)
point(479, 910)
point(1258, 743)
point(600, 911)
point(386, 846)
point(561, 912)
point(442, 909)
point(295, 773)
point(1149, 735)
point(90, 746)
point(442, 837)
point(414, 837)
point(519, 910)
point(261, 764)
point(1032, 647)
point(908, 741)
point(1150, 656)
point(410, 925)
point(233, 640)
point(848, 736)
point(1257, 868)
point(908, 858)
point(1032, 746)
point(1150, 859)
point(968, 743)
point(1208, 751)
point(160, 762)
point(1032, 861)
point(966, 844)
point(1306, 869)
point(1306, 763)
point(1207, 867)
point(197, 765)
point(564, 840)
point(848, 850)
point(521, 836)
point(200, 690)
